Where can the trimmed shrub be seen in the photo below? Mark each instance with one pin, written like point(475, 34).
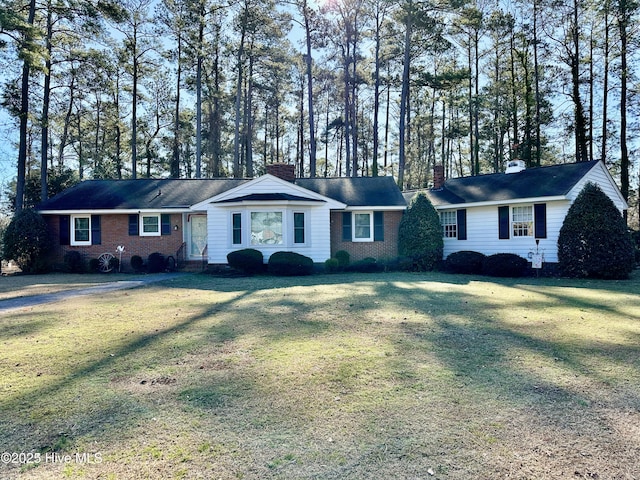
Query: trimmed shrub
point(155, 263)
point(26, 241)
point(73, 262)
point(114, 263)
point(290, 264)
point(420, 234)
point(94, 265)
point(504, 265)
point(247, 260)
point(343, 258)
point(366, 265)
point(137, 263)
point(465, 261)
point(331, 265)
point(594, 240)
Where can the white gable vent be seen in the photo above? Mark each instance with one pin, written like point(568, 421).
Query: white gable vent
point(515, 166)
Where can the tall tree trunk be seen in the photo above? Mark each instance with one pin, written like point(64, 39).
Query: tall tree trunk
point(605, 83)
point(24, 118)
point(236, 139)
point(347, 109)
point(199, 92)
point(308, 60)
point(175, 158)
point(623, 19)
point(536, 73)
point(580, 121)
point(46, 98)
point(404, 97)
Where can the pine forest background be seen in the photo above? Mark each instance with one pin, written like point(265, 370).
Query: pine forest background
point(203, 88)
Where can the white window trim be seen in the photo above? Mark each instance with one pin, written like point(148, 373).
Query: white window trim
point(531, 227)
point(353, 226)
point(242, 228)
point(73, 241)
point(305, 227)
point(454, 214)
point(288, 226)
point(141, 225)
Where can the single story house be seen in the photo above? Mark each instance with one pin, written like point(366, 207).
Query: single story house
point(202, 220)
point(519, 211)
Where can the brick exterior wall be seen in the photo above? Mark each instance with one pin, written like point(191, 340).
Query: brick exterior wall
point(114, 232)
point(387, 249)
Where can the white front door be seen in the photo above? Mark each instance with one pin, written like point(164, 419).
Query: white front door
point(197, 235)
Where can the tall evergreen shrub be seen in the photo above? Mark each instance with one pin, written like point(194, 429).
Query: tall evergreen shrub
point(26, 241)
point(420, 234)
point(594, 240)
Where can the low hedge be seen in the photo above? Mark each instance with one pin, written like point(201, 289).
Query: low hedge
point(366, 265)
point(504, 265)
point(155, 263)
point(465, 261)
point(290, 264)
point(247, 260)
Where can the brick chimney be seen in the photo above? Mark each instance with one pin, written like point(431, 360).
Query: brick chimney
point(438, 176)
point(284, 171)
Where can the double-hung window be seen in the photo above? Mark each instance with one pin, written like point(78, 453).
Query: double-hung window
point(449, 222)
point(81, 230)
point(522, 221)
point(362, 227)
point(149, 225)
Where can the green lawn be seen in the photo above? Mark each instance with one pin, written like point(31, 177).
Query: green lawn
point(379, 376)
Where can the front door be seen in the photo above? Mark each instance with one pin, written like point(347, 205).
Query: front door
point(198, 235)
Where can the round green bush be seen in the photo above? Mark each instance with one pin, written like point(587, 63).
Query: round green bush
point(155, 263)
point(465, 261)
point(290, 264)
point(343, 258)
point(137, 263)
point(594, 240)
point(94, 265)
point(73, 262)
point(26, 241)
point(247, 260)
point(331, 265)
point(504, 265)
point(420, 234)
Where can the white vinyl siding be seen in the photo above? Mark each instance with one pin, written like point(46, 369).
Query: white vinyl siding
point(482, 234)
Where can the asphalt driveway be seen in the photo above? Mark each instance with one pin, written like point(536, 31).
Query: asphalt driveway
point(15, 304)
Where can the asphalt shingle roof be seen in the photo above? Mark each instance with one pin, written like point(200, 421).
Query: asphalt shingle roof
point(144, 194)
point(357, 191)
point(138, 194)
point(551, 181)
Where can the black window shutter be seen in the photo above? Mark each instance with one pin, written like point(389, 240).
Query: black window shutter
point(165, 224)
point(540, 218)
point(462, 224)
point(378, 226)
point(346, 226)
point(503, 223)
point(96, 235)
point(133, 225)
point(65, 229)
